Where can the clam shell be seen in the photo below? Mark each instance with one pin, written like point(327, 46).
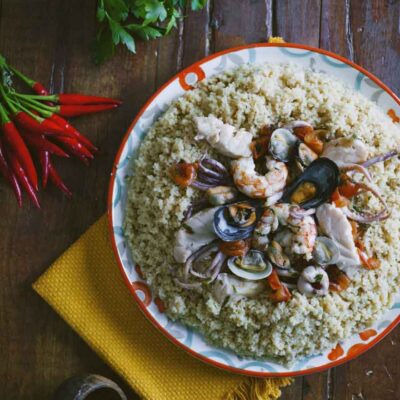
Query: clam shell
point(282, 144)
point(250, 275)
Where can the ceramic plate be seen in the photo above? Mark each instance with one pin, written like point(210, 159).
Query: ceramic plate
point(316, 59)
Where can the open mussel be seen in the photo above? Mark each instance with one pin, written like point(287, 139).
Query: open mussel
point(282, 144)
point(325, 252)
point(315, 185)
point(236, 221)
point(252, 266)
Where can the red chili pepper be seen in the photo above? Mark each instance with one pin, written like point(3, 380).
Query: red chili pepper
point(23, 178)
point(44, 158)
point(9, 175)
point(75, 148)
point(44, 127)
point(73, 131)
point(16, 143)
point(58, 182)
point(38, 88)
point(76, 110)
point(40, 142)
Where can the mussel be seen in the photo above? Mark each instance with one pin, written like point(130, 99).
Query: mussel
point(282, 144)
point(252, 266)
point(325, 252)
point(235, 221)
point(315, 185)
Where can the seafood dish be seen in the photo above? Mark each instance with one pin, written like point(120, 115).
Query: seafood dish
point(263, 211)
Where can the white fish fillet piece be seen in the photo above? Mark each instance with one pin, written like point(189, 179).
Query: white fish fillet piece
point(224, 137)
point(345, 151)
point(334, 224)
point(196, 232)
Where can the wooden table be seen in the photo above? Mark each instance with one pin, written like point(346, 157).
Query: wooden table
point(50, 40)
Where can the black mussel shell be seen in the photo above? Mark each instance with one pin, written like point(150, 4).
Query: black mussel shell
point(323, 175)
point(236, 221)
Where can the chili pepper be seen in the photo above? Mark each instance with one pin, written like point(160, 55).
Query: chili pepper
point(37, 87)
point(44, 158)
point(16, 143)
point(23, 178)
point(76, 110)
point(75, 146)
point(41, 126)
point(73, 131)
point(9, 175)
point(69, 98)
point(58, 182)
point(40, 142)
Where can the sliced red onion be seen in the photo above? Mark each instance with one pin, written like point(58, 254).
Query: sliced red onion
point(201, 185)
point(380, 158)
point(218, 263)
point(195, 256)
point(215, 164)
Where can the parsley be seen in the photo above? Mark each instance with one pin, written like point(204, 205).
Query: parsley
point(123, 21)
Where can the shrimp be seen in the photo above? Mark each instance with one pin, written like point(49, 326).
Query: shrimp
point(257, 186)
point(298, 236)
point(304, 231)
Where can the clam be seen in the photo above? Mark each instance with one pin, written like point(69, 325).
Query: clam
point(282, 144)
point(304, 155)
point(220, 195)
point(277, 256)
point(235, 221)
point(325, 252)
point(315, 185)
point(252, 266)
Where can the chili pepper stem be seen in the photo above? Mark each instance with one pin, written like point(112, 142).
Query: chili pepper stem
point(36, 105)
point(24, 78)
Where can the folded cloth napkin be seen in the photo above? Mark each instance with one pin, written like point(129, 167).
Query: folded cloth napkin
point(86, 288)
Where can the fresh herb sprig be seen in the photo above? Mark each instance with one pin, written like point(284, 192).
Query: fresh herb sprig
point(123, 21)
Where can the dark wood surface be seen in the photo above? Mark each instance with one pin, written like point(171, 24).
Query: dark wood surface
point(50, 40)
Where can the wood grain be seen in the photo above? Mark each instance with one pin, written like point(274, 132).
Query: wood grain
point(50, 41)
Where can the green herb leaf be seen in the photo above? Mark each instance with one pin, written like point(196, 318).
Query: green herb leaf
point(103, 47)
point(120, 20)
point(198, 4)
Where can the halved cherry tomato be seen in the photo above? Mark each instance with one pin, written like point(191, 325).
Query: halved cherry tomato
point(338, 199)
point(274, 281)
point(259, 147)
point(183, 174)
point(312, 140)
point(349, 189)
point(235, 248)
point(302, 131)
point(338, 280)
point(281, 294)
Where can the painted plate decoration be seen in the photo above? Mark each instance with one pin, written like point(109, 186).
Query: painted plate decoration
point(319, 61)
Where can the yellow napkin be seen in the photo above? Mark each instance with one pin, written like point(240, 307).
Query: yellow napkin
point(86, 288)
